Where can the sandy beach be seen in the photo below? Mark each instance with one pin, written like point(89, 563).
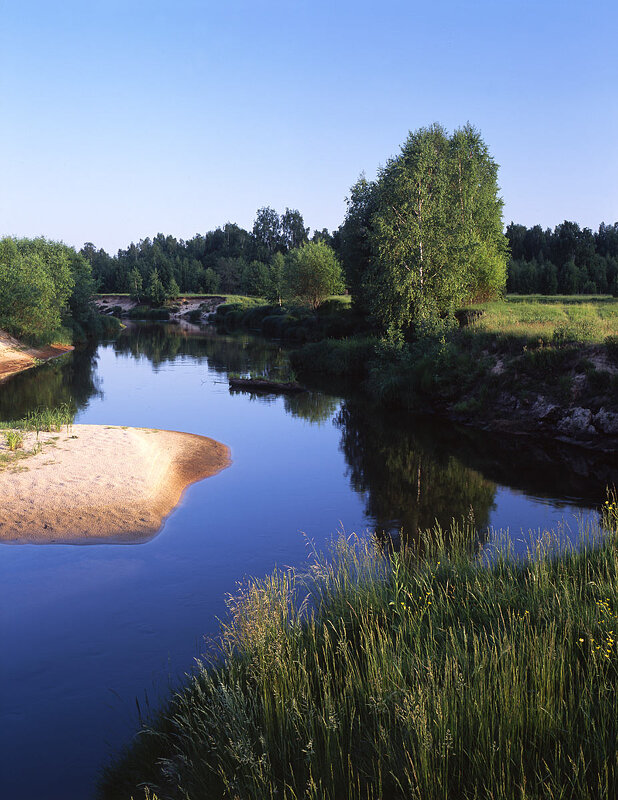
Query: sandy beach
point(98, 483)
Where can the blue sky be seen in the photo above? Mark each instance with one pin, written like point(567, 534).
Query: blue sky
point(121, 119)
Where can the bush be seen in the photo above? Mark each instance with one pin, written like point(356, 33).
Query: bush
point(145, 312)
point(611, 347)
point(341, 358)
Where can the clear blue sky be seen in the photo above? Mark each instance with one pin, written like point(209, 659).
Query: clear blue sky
point(122, 118)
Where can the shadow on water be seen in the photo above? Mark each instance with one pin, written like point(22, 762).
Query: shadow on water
point(412, 471)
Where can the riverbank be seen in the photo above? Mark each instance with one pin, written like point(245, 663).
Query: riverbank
point(15, 356)
point(193, 308)
point(98, 483)
point(436, 673)
point(547, 367)
point(567, 393)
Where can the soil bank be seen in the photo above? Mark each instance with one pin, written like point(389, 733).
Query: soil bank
point(16, 357)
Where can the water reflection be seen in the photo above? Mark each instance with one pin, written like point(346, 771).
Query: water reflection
point(411, 472)
point(160, 343)
point(409, 483)
point(415, 472)
point(71, 379)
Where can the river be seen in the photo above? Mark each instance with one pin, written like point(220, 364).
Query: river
point(92, 635)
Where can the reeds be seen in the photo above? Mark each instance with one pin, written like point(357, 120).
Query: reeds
point(44, 419)
point(434, 674)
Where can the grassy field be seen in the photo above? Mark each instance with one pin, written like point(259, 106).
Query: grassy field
point(430, 675)
point(584, 320)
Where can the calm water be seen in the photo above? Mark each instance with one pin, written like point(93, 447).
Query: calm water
point(89, 633)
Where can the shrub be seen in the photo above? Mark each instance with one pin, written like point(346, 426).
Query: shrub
point(14, 440)
point(611, 346)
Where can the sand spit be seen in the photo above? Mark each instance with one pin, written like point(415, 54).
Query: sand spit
point(98, 483)
point(16, 357)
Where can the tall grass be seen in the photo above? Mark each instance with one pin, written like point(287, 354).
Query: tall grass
point(585, 322)
point(433, 674)
point(43, 419)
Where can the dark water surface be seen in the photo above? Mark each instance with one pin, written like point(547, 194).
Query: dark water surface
point(88, 633)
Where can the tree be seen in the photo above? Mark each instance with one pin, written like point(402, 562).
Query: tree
point(292, 229)
point(156, 291)
point(255, 279)
point(355, 246)
point(409, 276)
point(173, 290)
point(312, 272)
point(266, 233)
point(428, 233)
point(478, 247)
point(36, 284)
point(276, 286)
point(136, 284)
point(210, 281)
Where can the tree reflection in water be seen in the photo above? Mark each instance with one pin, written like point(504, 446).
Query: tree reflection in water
point(408, 482)
point(70, 379)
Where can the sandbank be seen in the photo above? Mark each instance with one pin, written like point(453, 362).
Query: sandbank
point(16, 357)
point(98, 483)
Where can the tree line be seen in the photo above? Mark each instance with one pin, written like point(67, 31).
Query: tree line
point(422, 238)
point(567, 260)
point(229, 259)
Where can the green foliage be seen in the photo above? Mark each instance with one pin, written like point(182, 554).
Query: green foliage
point(428, 234)
point(36, 282)
point(561, 320)
point(145, 312)
point(567, 260)
point(47, 419)
point(276, 285)
point(255, 279)
point(425, 675)
point(46, 291)
point(355, 247)
point(611, 346)
point(14, 440)
point(173, 291)
point(345, 357)
point(312, 273)
point(155, 291)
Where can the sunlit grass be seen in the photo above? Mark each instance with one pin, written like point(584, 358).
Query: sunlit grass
point(430, 674)
point(43, 419)
point(585, 322)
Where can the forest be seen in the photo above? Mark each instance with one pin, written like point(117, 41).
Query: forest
point(567, 260)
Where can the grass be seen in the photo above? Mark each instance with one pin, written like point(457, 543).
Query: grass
point(14, 440)
point(428, 674)
point(585, 322)
point(43, 419)
point(550, 299)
